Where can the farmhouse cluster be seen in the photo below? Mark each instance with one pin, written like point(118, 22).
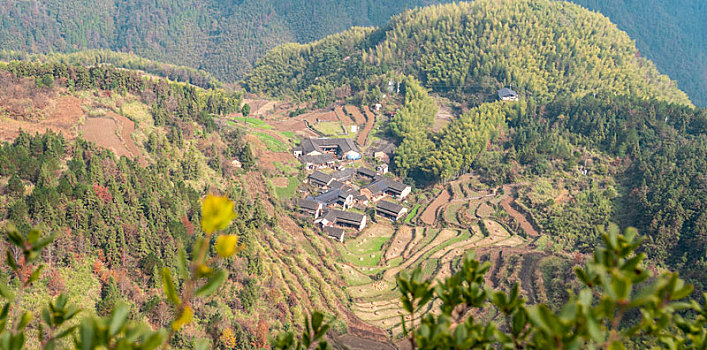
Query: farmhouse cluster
point(340, 193)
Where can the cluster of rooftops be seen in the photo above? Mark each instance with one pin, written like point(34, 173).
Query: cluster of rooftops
point(318, 153)
point(337, 193)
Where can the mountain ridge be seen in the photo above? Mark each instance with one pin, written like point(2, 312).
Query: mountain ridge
point(226, 38)
point(542, 48)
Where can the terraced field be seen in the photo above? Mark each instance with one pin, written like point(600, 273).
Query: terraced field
point(444, 225)
point(459, 220)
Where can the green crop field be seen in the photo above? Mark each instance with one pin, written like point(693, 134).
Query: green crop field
point(288, 134)
point(330, 128)
point(451, 213)
point(364, 252)
point(254, 122)
point(289, 190)
point(353, 277)
point(272, 143)
point(412, 213)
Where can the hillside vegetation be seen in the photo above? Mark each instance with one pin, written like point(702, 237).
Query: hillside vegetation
point(541, 48)
point(121, 60)
point(667, 32)
point(119, 220)
point(226, 38)
point(222, 37)
point(591, 108)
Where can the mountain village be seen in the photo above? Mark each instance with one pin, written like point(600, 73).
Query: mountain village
point(342, 189)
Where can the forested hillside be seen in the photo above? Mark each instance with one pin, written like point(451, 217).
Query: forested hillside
point(119, 220)
point(91, 58)
point(470, 49)
point(115, 162)
point(667, 32)
point(222, 37)
point(226, 38)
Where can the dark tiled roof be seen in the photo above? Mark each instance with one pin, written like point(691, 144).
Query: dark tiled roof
point(334, 232)
point(377, 187)
point(334, 215)
point(320, 177)
point(309, 145)
point(345, 145)
point(336, 184)
point(387, 148)
point(395, 185)
point(328, 197)
point(308, 204)
point(366, 172)
point(360, 197)
point(381, 183)
point(344, 175)
point(319, 159)
point(390, 207)
point(506, 92)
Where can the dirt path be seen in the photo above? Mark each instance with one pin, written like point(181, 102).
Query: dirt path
point(524, 223)
point(429, 216)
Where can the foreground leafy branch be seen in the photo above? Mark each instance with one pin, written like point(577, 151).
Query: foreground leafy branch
point(615, 284)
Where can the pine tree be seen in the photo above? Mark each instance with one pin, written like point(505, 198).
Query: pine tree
point(15, 187)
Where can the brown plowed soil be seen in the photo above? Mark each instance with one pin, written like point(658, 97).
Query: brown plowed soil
point(296, 125)
point(127, 127)
point(62, 119)
point(441, 237)
point(104, 132)
point(429, 216)
point(522, 220)
point(112, 132)
point(356, 114)
point(315, 117)
point(370, 121)
point(343, 117)
point(400, 241)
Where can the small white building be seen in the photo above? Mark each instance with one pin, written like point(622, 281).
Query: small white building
point(382, 169)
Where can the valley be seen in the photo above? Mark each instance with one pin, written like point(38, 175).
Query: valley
point(340, 190)
point(443, 224)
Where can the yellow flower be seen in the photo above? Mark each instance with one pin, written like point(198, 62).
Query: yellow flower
point(204, 270)
point(183, 319)
point(216, 213)
point(226, 245)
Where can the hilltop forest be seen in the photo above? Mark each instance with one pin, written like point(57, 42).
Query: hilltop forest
point(226, 38)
